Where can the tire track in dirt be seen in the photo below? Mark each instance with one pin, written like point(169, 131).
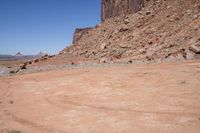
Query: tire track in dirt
point(33, 125)
point(21, 120)
point(119, 109)
point(7, 91)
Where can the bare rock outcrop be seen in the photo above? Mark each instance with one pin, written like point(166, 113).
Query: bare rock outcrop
point(113, 8)
point(79, 32)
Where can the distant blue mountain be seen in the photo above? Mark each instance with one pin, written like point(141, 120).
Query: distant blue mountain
point(1, 55)
point(15, 58)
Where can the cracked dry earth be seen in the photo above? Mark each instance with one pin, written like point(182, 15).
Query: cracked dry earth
point(143, 98)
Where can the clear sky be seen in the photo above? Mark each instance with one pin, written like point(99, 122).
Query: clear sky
point(31, 26)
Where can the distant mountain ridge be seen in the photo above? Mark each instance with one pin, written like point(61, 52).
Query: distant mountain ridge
point(2, 55)
point(18, 56)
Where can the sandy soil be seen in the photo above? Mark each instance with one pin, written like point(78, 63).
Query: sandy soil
point(153, 98)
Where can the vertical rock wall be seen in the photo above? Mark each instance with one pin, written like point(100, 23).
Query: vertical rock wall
point(79, 33)
point(112, 8)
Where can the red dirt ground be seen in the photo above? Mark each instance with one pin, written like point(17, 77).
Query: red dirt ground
point(151, 98)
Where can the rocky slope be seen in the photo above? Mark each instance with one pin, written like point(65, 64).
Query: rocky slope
point(163, 30)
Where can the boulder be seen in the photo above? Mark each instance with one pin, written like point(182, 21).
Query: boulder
point(24, 66)
point(103, 60)
point(126, 21)
point(190, 55)
point(148, 13)
point(12, 72)
point(29, 62)
point(124, 45)
point(36, 60)
point(103, 46)
point(195, 48)
point(124, 28)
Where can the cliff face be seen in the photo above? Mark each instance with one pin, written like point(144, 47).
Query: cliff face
point(79, 33)
point(112, 8)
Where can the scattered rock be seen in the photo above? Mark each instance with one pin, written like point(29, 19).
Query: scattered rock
point(103, 54)
point(190, 55)
point(150, 42)
point(103, 60)
point(36, 60)
point(196, 16)
point(130, 61)
point(24, 66)
point(142, 51)
point(195, 48)
point(45, 57)
point(126, 21)
point(151, 54)
point(148, 12)
point(168, 7)
point(124, 45)
point(189, 12)
point(12, 72)
point(103, 45)
point(124, 28)
point(29, 62)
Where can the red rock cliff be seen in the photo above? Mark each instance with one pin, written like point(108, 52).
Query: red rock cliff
point(112, 8)
point(79, 32)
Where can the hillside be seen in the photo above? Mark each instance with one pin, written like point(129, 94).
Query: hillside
point(163, 30)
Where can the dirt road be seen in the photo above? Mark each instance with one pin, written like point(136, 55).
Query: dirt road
point(153, 98)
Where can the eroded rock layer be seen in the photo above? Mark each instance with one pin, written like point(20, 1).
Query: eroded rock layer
point(79, 32)
point(113, 8)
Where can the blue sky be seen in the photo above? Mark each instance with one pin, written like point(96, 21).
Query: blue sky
point(31, 26)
